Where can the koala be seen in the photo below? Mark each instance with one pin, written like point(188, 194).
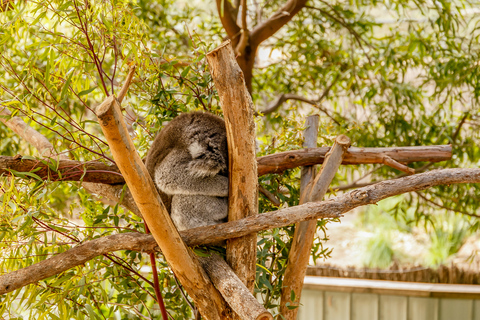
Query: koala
point(188, 162)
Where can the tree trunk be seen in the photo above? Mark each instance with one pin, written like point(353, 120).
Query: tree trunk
point(237, 108)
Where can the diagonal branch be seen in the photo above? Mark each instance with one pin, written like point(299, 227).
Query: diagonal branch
point(213, 234)
point(245, 33)
point(228, 15)
point(269, 27)
point(304, 235)
point(27, 133)
point(185, 266)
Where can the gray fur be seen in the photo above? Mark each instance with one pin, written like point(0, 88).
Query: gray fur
point(188, 162)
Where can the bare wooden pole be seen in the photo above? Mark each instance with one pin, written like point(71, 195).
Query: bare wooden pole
point(304, 235)
point(307, 173)
point(233, 290)
point(183, 262)
point(237, 109)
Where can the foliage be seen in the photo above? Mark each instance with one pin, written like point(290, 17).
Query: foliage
point(393, 218)
point(379, 252)
point(389, 73)
point(446, 239)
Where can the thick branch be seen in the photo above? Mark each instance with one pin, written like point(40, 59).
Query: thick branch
point(299, 254)
point(268, 28)
point(279, 162)
point(64, 170)
point(76, 256)
point(274, 163)
point(237, 109)
point(184, 264)
point(213, 234)
point(233, 290)
point(228, 16)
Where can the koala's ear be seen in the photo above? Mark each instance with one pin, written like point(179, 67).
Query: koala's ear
point(196, 149)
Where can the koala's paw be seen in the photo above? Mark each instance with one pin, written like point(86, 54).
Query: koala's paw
point(203, 168)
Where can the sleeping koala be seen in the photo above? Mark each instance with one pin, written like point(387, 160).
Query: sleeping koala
point(188, 162)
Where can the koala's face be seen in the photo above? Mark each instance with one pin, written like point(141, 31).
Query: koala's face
point(209, 155)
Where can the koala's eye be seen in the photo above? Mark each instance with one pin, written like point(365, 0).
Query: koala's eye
point(211, 148)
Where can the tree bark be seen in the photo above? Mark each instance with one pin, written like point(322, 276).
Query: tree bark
point(279, 162)
point(96, 171)
point(64, 170)
point(233, 290)
point(182, 261)
point(304, 235)
point(237, 108)
point(332, 208)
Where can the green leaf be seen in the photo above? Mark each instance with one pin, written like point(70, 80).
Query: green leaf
point(84, 92)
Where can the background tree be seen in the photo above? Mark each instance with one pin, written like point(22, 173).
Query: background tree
point(384, 73)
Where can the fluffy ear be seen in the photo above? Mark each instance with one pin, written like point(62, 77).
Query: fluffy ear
point(196, 149)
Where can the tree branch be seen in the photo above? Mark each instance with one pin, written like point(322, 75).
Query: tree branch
point(69, 170)
point(281, 161)
point(228, 17)
point(268, 28)
point(331, 208)
point(245, 33)
point(237, 295)
point(270, 196)
point(27, 133)
point(64, 170)
point(304, 235)
point(272, 107)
